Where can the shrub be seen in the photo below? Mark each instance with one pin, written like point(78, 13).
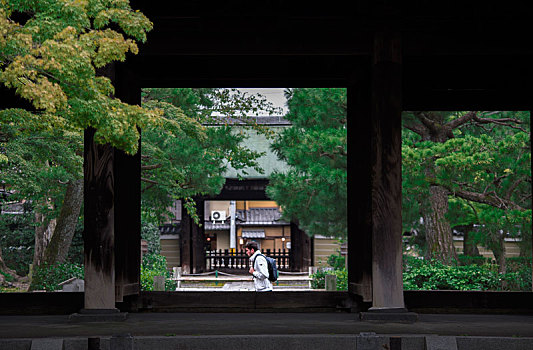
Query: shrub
point(150, 232)
point(336, 261)
point(472, 260)
point(155, 265)
point(7, 276)
point(433, 275)
point(48, 277)
point(319, 279)
point(17, 239)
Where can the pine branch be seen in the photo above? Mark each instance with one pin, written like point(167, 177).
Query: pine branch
point(151, 167)
point(490, 198)
point(461, 120)
point(149, 181)
point(509, 122)
point(416, 128)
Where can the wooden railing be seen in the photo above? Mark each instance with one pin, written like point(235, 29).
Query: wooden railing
point(238, 260)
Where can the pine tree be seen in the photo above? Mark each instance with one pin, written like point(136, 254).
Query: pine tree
point(312, 192)
point(481, 158)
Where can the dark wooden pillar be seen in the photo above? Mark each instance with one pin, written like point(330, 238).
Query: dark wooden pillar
point(360, 182)
point(99, 224)
point(198, 239)
point(387, 285)
point(127, 199)
point(112, 210)
point(192, 242)
point(185, 241)
point(300, 253)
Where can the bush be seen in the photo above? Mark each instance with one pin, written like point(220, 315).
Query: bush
point(150, 232)
point(17, 239)
point(433, 275)
point(48, 277)
point(7, 277)
point(336, 261)
point(155, 265)
point(472, 260)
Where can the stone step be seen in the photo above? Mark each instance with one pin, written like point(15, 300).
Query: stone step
point(47, 344)
point(362, 341)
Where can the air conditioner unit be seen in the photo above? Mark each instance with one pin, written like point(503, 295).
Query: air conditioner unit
point(218, 215)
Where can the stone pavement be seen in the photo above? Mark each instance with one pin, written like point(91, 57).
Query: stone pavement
point(239, 286)
point(278, 330)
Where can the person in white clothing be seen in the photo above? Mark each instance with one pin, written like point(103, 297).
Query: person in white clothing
point(258, 267)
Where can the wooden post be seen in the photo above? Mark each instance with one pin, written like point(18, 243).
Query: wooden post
point(300, 252)
point(112, 224)
point(127, 169)
point(192, 242)
point(99, 224)
point(198, 239)
point(387, 284)
point(177, 275)
point(359, 256)
point(185, 241)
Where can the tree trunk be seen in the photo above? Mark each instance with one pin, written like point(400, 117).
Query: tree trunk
point(498, 249)
point(438, 232)
point(43, 234)
point(469, 246)
point(57, 249)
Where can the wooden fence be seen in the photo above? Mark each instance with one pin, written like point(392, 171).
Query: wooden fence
point(238, 260)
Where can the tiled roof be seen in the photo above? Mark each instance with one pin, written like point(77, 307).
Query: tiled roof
point(218, 225)
point(253, 233)
point(260, 216)
point(170, 229)
point(251, 217)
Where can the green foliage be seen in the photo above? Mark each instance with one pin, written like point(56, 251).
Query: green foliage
point(51, 61)
point(420, 274)
point(75, 253)
point(47, 277)
point(482, 160)
point(40, 165)
point(472, 260)
point(313, 192)
point(155, 265)
point(17, 239)
point(7, 276)
point(182, 156)
point(336, 262)
point(150, 233)
point(17, 235)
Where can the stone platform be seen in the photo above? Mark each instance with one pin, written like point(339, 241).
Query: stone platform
point(340, 330)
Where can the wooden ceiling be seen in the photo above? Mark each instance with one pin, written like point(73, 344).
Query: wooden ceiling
point(455, 54)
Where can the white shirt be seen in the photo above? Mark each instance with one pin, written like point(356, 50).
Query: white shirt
point(261, 281)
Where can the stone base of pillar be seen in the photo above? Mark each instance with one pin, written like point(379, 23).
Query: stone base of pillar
point(98, 315)
point(388, 315)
